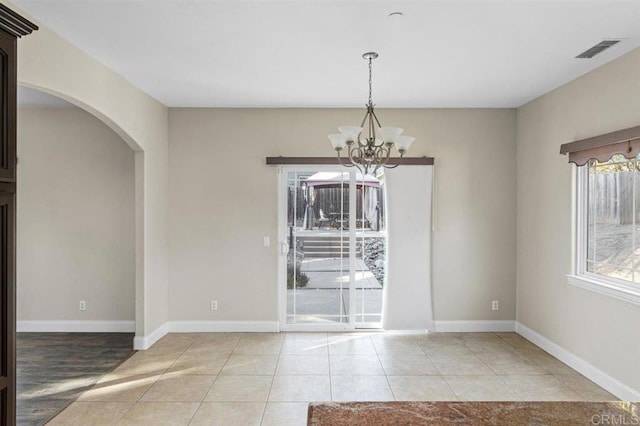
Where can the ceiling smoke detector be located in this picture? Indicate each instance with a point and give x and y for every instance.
(396, 15)
(597, 49)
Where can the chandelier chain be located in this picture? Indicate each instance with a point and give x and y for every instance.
(370, 83)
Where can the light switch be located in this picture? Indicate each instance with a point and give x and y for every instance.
(266, 241)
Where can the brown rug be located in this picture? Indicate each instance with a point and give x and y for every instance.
(474, 413)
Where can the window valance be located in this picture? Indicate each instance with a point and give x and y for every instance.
(625, 142)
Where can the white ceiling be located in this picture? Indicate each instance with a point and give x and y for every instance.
(307, 53)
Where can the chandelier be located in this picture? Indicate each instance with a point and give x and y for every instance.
(372, 151)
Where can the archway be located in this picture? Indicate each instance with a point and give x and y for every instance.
(52, 65)
(76, 255)
(139, 198)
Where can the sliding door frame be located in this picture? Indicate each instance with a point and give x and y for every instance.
(283, 249)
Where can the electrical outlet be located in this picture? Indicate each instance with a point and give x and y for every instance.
(83, 305)
(214, 305)
(495, 305)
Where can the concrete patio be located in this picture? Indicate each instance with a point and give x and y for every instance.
(320, 300)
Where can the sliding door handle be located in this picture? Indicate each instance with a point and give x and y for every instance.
(284, 248)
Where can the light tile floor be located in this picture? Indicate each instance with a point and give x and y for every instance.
(268, 378)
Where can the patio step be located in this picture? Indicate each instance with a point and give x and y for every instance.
(324, 243)
(328, 254)
(326, 247)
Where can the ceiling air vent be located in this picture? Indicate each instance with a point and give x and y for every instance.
(598, 48)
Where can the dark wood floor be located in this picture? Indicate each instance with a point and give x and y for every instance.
(55, 368)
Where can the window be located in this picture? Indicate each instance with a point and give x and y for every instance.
(608, 233)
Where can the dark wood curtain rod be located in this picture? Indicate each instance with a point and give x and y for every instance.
(407, 161)
(601, 140)
(602, 148)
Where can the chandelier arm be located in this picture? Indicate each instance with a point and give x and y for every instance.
(350, 153)
(386, 153)
(395, 165)
(342, 163)
(355, 161)
(372, 126)
(366, 114)
(380, 158)
(378, 165)
(376, 117)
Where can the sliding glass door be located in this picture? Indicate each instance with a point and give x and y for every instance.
(332, 249)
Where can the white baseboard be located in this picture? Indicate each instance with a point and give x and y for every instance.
(145, 342)
(474, 326)
(76, 326)
(141, 343)
(593, 373)
(223, 326)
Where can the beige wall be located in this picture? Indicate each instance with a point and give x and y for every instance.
(49, 63)
(223, 200)
(75, 218)
(601, 330)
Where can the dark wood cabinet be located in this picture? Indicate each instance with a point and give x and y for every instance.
(12, 26)
(7, 302)
(8, 77)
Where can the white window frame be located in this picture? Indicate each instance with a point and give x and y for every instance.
(580, 277)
